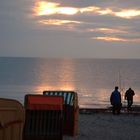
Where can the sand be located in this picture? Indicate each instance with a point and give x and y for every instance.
(106, 126)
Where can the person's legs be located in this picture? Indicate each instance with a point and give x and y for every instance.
(129, 104)
(113, 109)
(118, 109)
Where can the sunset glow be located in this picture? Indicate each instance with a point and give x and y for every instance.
(58, 22)
(67, 10)
(115, 39)
(105, 11)
(49, 8)
(89, 9)
(41, 88)
(107, 30)
(45, 8)
(128, 13)
(110, 39)
(70, 29)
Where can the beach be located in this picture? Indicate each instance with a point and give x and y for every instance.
(106, 126)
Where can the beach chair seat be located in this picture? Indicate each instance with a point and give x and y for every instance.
(70, 110)
(12, 117)
(43, 117)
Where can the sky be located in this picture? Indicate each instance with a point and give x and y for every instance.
(70, 28)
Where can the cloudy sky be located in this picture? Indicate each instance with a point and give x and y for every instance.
(70, 28)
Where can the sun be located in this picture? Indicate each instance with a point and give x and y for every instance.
(49, 8)
(45, 8)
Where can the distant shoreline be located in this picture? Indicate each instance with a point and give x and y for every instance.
(60, 58)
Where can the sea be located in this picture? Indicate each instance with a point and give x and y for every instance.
(92, 79)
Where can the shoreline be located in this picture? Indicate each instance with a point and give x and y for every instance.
(135, 110)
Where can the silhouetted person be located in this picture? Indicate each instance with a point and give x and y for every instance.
(115, 100)
(129, 97)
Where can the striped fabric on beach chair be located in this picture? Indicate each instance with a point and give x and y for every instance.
(12, 116)
(69, 96)
(43, 117)
(70, 110)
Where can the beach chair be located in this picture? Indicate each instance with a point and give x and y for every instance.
(12, 117)
(70, 110)
(43, 117)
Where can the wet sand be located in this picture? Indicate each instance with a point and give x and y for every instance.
(106, 126)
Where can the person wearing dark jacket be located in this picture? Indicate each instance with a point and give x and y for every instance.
(129, 97)
(115, 100)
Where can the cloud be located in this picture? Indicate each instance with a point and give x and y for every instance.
(83, 23)
(46, 13)
(127, 13)
(116, 39)
(58, 22)
(50, 8)
(110, 39)
(49, 27)
(88, 9)
(107, 30)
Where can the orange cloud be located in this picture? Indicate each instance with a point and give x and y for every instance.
(107, 30)
(116, 39)
(105, 11)
(67, 10)
(124, 13)
(128, 13)
(89, 9)
(109, 39)
(58, 22)
(49, 8)
(45, 8)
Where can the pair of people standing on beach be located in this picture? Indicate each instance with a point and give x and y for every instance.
(115, 100)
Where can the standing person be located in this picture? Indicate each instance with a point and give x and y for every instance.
(129, 97)
(115, 100)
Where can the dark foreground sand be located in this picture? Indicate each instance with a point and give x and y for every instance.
(105, 126)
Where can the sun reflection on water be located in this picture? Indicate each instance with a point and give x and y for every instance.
(63, 79)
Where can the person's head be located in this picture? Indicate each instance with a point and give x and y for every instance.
(129, 88)
(116, 88)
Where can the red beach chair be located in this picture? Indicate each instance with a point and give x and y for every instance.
(70, 110)
(43, 117)
(12, 117)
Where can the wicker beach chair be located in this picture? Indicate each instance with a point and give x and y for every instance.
(43, 117)
(12, 117)
(70, 110)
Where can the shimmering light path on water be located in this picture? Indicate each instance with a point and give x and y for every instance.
(92, 79)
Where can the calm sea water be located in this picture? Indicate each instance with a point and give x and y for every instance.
(92, 79)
